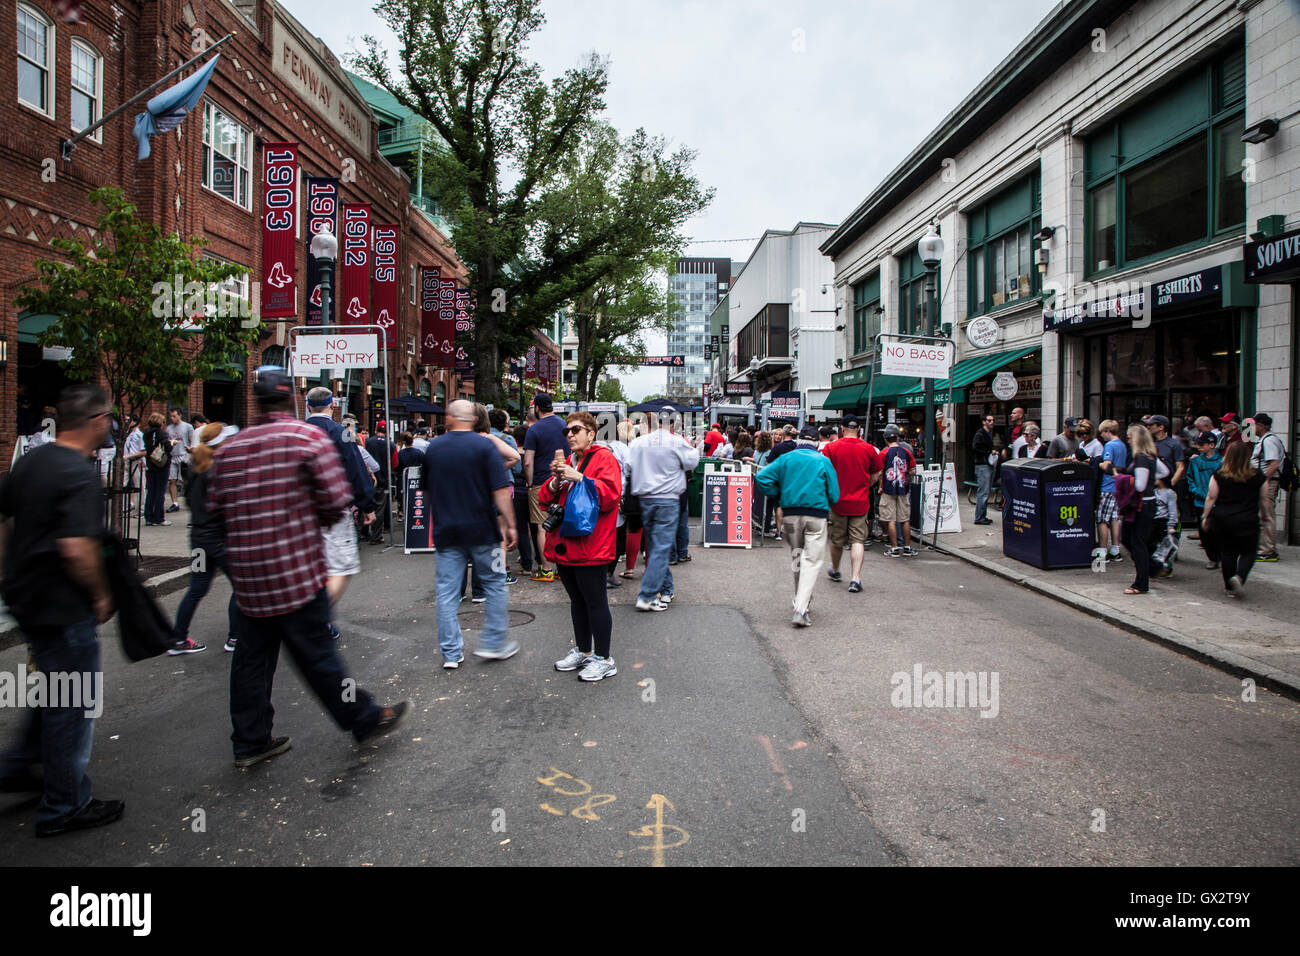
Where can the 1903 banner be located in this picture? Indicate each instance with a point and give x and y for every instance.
(279, 228)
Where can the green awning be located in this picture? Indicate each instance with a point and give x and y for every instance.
(884, 388)
(972, 369)
(845, 397)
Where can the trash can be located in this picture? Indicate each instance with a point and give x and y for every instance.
(1048, 519)
(695, 486)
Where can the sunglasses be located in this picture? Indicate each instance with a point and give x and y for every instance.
(574, 429)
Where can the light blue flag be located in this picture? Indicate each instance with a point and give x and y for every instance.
(165, 111)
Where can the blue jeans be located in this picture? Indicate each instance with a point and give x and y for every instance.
(305, 631)
(58, 737)
(682, 546)
(660, 517)
(984, 476)
(200, 584)
(489, 563)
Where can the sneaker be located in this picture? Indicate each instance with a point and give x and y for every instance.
(186, 646)
(1271, 557)
(1116, 556)
(684, 558)
(835, 576)
(1211, 565)
(392, 716)
(94, 814)
(1236, 585)
(673, 559)
(574, 659)
(174, 507)
(984, 521)
(277, 746)
(482, 598)
(509, 649)
(231, 644)
(542, 576)
(334, 633)
(1167, 572)
(801, 620)
(655, 605)
(910, 552)
(893, 552)
(450, 665)
(598, 668)
(855, 587)
(612, 582)
(511, 579)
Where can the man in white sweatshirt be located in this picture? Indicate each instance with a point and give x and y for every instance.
(658, 463)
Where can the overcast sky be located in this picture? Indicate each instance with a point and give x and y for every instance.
(797, 109)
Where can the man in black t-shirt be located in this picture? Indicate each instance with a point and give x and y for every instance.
(51, 526)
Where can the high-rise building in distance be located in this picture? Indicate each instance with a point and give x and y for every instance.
(695, 285)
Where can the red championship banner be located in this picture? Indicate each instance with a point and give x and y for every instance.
(279, 228)
(530, 362)
(385, 275)
(464, 331)
(354, 271)
(430, 333)
(322, 213)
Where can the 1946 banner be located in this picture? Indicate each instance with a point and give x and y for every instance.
(464, 330)
(385, 289)
(322, 213)
(279, 228)
(354, 269)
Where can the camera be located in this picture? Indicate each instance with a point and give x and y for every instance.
(554, 517)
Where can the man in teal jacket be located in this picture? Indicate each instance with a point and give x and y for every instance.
(804, 484)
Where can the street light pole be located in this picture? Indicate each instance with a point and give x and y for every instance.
(930, 249)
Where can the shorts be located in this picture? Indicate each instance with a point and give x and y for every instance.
(341, 555)
(175, 473)
(895, 508)
(1107, 510)
(847, 528)
(536, 514)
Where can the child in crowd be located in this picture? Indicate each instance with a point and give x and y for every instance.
(1166, 547)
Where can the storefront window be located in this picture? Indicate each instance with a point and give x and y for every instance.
(1165, 202)
(911, 293)
(1001, 245)
(866, 315)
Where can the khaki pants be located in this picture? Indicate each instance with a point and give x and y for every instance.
(806, 537)
(1268, 517)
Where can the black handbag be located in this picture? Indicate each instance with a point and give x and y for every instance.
(145, 630)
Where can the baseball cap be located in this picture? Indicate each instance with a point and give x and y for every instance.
(851, 421)
(1156, 420)
(381, 425)
(809, 433)
(273, 382)
(1228, 417)
(892, 431)
(1070, 423)
(1204, 438)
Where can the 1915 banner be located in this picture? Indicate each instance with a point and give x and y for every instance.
(279, 229)
(385, 275)
(354, 271)
(322, 213)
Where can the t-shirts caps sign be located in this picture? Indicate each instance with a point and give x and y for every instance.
(322, 213)
(279, 230)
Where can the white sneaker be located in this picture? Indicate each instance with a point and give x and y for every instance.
(598, 668)
(573, 660)
(666, 598)
(451, 665)
(509, 649)
(655, 605)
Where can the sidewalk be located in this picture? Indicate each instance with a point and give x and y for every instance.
(1255, 636)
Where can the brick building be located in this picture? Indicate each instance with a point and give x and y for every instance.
(275, 82)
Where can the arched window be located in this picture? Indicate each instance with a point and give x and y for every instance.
(424, 389)
(410, 385)
(442, 394)
(276, 355)
(35, 60)
(87, 82)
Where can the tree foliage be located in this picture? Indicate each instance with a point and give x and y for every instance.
(611, 390)
(546, 200)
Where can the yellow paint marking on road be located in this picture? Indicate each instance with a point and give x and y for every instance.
(557, 775)
(658, 803)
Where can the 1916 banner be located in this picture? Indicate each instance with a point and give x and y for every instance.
(385, 275)
(354, 268)
(279, 228)
(431, 327)
(322, 213)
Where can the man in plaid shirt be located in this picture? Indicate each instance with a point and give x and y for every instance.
(275, 485)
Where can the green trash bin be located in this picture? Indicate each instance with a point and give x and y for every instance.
(695, 487)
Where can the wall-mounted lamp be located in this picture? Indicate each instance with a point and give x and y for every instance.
(880, 310)
(1261, 132)
(839, 363)
(840, 328)
(1046, 233)
(4, 353)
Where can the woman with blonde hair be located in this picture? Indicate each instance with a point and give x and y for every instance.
(207, 542)
(1231, 514)
(1145, 468)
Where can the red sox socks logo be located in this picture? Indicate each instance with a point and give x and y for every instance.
(314, 298)
(278, 277)
(384, 321)
(355, 309)
(430, 341)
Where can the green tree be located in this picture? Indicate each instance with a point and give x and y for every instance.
(118, 310)
(611, 390)
(546, 200)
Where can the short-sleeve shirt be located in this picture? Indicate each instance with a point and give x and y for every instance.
(1115, 452)
(544, 438)
(51, 493)
(185, 433)
(1170, 450)
(462, 470)
(898, 464)
(1266, 451)
(855, 462)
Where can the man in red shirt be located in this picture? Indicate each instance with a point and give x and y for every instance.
(713, 439)
(275, 486)
(857, 468)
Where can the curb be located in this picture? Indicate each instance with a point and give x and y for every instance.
(1239, 665)
(157, 587)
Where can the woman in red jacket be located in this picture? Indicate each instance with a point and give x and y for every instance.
(583, 561)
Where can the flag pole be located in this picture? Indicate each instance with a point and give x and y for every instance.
(68, 145)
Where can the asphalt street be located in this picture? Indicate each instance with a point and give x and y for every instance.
(727, 737)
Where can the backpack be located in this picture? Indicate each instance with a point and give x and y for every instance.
(1287, 479)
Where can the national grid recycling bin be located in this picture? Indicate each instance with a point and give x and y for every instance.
(1047, 520)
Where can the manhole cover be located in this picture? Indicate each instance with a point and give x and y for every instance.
(473, 617)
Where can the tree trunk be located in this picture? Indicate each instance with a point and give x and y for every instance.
(487, 328)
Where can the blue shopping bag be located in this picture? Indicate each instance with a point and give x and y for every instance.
(581, 509)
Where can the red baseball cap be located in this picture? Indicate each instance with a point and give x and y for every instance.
(1229, 417)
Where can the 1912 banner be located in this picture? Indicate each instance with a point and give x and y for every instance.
(385, 289)
(279, 228)
(322, 213)
(354, 269)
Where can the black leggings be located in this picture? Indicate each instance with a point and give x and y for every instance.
(589, 606)
(1137, 538)
(1237, 549)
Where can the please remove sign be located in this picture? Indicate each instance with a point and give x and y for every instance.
(923, 360)
(312, 353)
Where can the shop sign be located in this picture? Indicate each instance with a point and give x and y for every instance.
(742, 389)
(1275, 259)
(1004, 386)
(1135, 300)
(785, 405)
(983, 332)
(851, 376)
(1028, 388)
